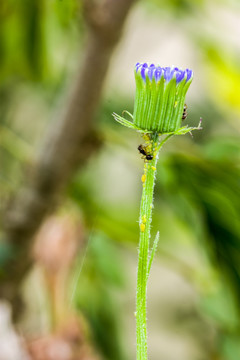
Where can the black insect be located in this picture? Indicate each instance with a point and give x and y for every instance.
(144, 151)
(185, 114)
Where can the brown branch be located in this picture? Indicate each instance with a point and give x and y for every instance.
(69, 143)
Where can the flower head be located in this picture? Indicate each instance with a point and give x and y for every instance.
(160, 96)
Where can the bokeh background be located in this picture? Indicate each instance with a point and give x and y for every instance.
(78, 295)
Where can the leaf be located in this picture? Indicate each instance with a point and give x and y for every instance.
(154, 248)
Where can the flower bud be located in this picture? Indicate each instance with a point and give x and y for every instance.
(160, 97)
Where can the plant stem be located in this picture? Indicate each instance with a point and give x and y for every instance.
(143, 254)
(144, 260)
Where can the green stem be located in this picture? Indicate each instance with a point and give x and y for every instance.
(144, 260)
(143, 254)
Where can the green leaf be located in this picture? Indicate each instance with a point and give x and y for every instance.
(153, 252)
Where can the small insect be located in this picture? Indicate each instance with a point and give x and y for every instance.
(144, 150)
(185, 114)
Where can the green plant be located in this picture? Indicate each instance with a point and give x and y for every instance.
(158, 113)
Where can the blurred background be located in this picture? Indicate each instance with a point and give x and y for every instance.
(78, 290)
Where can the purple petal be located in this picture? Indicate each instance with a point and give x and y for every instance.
(143, 75)
(168, 73)
(151, 72)
(158, 73)
(189, 74)
(137, 66)
(179, 75)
